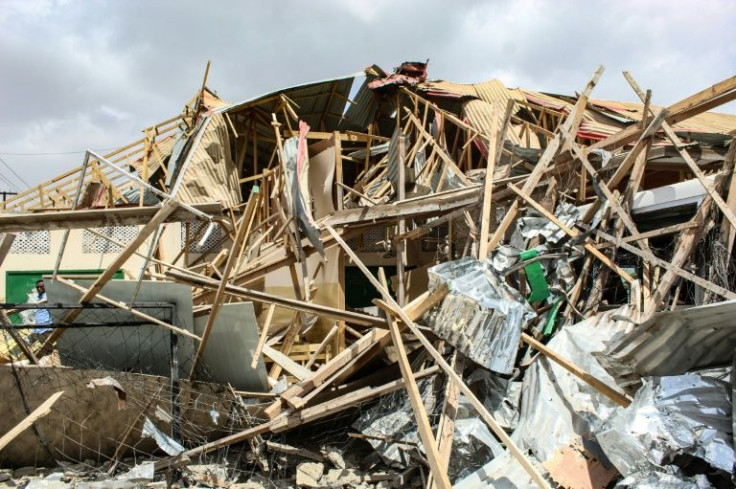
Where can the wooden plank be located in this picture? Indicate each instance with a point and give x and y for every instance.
(675, 269)
(97, 218)
(322, 345)
(424, 229)
(264, 335)
(600, 386)
(287, 420)
(246, 222)
(434, 203)
(294, 451)
(287, 363)
(439, 471)
(338, 169)
(5, 244)
(38, 413)
(401, 257)
(654, 233)
(725, 209)
(486, 201)
(75, 202)
(570, 126)
(679, 111)
(124, 307)
(446, 425)
(164, 211)
(208, 283)
(287, 342)
(19, 340)
(572, 233)
(391, 306)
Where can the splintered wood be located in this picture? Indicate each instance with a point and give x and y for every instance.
(458, 197)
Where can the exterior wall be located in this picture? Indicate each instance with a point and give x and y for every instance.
(80, 253)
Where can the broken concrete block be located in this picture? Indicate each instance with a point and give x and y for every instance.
(156, 485)
(44, 484)
(24, 472)
(309, 474)
(334, 456)
(210, 475)
(342, 477)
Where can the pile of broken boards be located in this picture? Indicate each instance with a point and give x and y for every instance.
(416, 284)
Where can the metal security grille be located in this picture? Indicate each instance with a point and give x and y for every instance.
(197, 230)
(32, 243)
(93, 243)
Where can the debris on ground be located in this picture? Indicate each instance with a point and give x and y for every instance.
(381, 281)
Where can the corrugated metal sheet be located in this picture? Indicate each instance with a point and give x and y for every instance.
(480, 114)
(444, 88)
(483, 335)
(710, 122)
(674, 343)
(210, 173)
(363, 111)
(482, 317)
(495, 91)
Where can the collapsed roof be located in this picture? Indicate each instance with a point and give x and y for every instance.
(510, 219)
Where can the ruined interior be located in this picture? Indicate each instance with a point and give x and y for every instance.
(383, 280)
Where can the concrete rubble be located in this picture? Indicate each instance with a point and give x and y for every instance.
(380, 281)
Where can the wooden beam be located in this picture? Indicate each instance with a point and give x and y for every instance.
(446, 425)
(286, 363)
(164, 211)
(417, 404)
(600, 386)
(38, 413)
(727, 212)
(264, 335)
(727, 294)
(688, 107)
(570, 127)
(128, 308)
(425, 205)
(391, 306)
(288, 420)
(5, 244)
(202, 281)
(572, 233)
(97, 218)
(485, 220)
(246, 222)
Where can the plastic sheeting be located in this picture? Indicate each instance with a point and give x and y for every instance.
(164, 442)
(482, 317)
(670, 416)
(296, 172)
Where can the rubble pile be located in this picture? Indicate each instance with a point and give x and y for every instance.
(376, 281)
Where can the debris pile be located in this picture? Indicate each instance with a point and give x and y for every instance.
(409, 283)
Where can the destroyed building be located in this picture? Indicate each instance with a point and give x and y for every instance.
(381, 280)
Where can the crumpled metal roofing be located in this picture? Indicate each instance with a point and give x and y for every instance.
(481, 317)
(670, 416)
(673, 343)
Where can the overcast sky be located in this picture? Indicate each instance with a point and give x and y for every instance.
(92, 74)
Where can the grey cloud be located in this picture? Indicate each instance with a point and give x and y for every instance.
(92, 74)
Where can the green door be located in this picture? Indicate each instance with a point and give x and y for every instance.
(18, 284)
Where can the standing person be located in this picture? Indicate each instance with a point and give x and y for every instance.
(41, 316)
